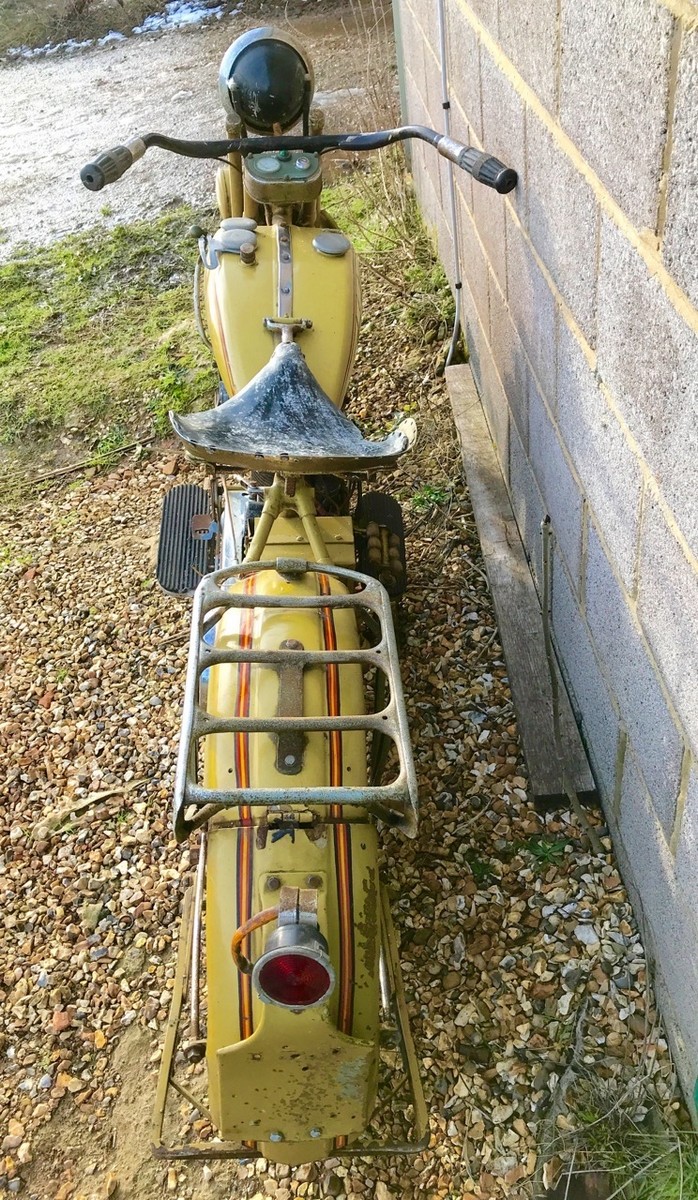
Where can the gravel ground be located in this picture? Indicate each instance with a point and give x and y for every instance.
(523, 965)
(516, 942)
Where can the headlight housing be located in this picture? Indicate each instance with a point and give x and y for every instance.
(266, 79)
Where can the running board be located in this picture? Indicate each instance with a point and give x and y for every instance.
(185, 548)
(395, 802)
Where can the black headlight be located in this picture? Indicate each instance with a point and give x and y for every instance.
(265, 79)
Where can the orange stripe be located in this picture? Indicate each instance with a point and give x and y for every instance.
(342, 835)
(333, 695)
(246, 833)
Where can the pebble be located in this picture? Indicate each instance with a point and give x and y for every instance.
(586, 934)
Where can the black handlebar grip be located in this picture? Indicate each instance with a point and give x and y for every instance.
(488, 170)
(107, 168)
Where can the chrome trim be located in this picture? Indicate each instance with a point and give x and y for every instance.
(284, 259)
(198, 315)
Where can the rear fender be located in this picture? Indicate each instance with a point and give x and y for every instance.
(270, 1069)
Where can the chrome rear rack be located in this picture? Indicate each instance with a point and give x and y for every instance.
(395, 802)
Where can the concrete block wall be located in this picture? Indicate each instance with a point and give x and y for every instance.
(580, 306)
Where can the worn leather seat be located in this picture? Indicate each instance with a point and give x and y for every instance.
(283, 421)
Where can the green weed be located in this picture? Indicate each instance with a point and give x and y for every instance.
(616, 1130)
(12, 557)
(109, 444)
(546, 851)
(430, 496)
(481, 870)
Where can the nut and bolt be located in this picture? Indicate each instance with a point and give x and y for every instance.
(273, 883)
(275, 1136)
(314, 881)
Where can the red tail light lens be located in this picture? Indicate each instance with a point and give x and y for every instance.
(294, 979)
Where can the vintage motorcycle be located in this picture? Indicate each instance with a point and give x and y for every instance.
(295, 745)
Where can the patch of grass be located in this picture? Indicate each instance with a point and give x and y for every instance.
(109, 444)
(675, 1176)
(12, 557)
(352, 204)
(618, 1132)
(641, 1164)
(378, 209)
(100, 325)
(430, 496)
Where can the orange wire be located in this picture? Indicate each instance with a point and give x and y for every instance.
(261, 918)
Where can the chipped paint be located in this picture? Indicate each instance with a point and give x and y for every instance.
(350, 1079)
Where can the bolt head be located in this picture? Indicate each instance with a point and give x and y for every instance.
(315, 1132)
(275, 1136)
(273, 883)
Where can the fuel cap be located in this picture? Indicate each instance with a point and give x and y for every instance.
(238, 223)
(231, 240)
(331, 243)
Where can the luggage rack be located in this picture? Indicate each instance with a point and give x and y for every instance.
(395, 802)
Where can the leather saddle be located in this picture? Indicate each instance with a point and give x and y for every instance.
(283, 421)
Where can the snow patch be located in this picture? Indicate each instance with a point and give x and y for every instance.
(176, 14)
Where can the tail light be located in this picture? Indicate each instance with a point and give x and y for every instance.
(295, 970)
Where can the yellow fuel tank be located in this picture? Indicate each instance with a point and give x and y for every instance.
(322, 288)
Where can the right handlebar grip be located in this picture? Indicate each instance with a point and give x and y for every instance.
(107, 168)
(489, 170)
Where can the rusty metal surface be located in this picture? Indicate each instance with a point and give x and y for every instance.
(318, 1070)
(171, 1029)
(282, 420)
(290, 742)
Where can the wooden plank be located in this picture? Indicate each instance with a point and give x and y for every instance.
(517, 609)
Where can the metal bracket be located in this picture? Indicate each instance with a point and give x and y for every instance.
(297, 906)
(287, 326)
(290, 743)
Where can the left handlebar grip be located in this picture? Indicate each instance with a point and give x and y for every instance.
(111, 165)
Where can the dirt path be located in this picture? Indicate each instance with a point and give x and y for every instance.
(56, 113)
